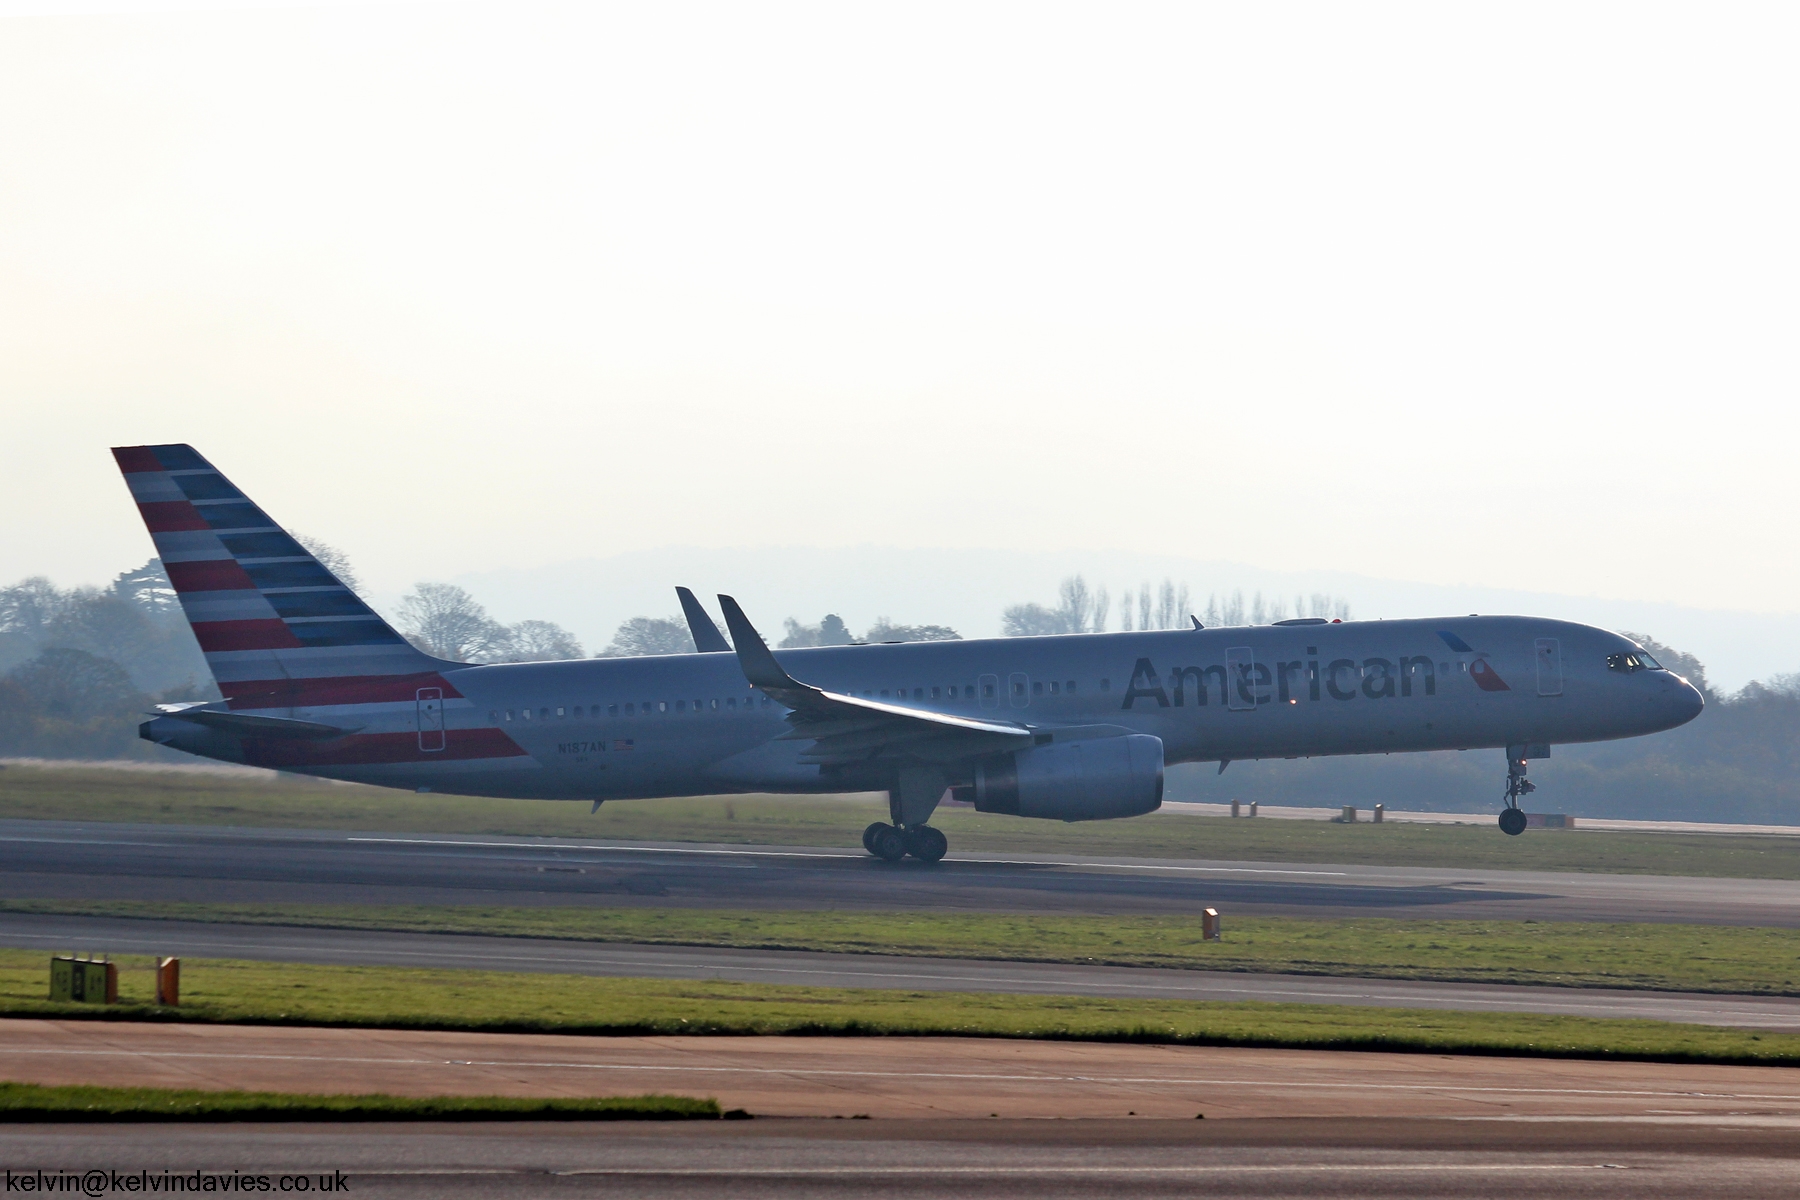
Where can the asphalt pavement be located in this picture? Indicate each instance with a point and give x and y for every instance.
(276, 943)
(1377, 1159)
(94, 861)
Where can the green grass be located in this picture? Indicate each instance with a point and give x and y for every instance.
(32, 1102)
(414, 998)
(1697, 958)
(95, 794)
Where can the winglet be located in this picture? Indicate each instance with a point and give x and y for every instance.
(760, 667)
(707, 638)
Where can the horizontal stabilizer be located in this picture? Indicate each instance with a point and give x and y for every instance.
(245, 725)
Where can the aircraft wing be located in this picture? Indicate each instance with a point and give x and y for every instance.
(707, 638)
(846, 728)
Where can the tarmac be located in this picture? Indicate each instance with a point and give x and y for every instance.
(96, 861)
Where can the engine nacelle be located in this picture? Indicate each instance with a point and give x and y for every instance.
(1093, 779)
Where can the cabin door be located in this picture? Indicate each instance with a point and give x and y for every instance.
(1240, 674)
(1549, 667)
(431, 719)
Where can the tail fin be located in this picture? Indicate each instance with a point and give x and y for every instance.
(278, 629)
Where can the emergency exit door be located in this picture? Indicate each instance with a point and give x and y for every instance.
(431, 719)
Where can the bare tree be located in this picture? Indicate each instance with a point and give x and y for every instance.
(650, 635)
(830, 631)
(1032, 620)
(443, 619)
(333, 560)
(541, 641)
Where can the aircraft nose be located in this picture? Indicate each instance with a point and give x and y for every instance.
(1686, 700)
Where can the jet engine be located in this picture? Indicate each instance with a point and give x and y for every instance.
(1091, 779)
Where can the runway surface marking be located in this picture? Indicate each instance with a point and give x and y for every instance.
(988, 862)
(897, 1074)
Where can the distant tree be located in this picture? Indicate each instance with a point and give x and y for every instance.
(1078, 610)
(70, 704)
(1032, 620)
(444, 620)
(649, 635)
(540, 641)
(830, 631)
(884, 630)
(148, 588)
(333, 560)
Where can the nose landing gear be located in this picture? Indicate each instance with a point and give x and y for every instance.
(1512, 817)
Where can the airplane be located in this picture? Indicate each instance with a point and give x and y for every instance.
(1072, 728)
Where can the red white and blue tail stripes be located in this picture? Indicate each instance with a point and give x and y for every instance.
(278, 628)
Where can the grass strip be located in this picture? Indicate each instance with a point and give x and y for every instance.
(220, 991)
(104, 794)
(1693, 958)
(33, 1102)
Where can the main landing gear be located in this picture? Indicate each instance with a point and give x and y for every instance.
(1512, 817)
(912, 799)
(924, 842)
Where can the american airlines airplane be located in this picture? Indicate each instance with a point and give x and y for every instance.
(1072, 728)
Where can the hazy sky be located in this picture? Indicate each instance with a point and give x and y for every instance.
(1499, 295)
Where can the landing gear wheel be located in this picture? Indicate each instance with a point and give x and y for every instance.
(1512, 822)
(926, 843)
(886, 842)
(869, 836)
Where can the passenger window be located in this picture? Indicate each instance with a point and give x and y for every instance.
(1055, 688)
(937, 693)
(987, 689)
(509, 713)
(1037, 689)
(560, 712)
(884, 693)
(662, 706)
(544, 714)
(969, 692)
(612, 710)
(731, 702)
(681, 706)
(493, 714)
(715, 705)
(630, 709)
(1069, 687)
(918, 693)
(526, 713)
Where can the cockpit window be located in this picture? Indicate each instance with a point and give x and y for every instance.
(1635, 660)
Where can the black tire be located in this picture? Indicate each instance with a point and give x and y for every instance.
(869, 836)
(886, 842)
(927, 843)
(1512, 822)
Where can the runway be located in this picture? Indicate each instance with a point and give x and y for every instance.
(275, 943)
(93, 861)
(1341, 1159)
(946, 1117)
